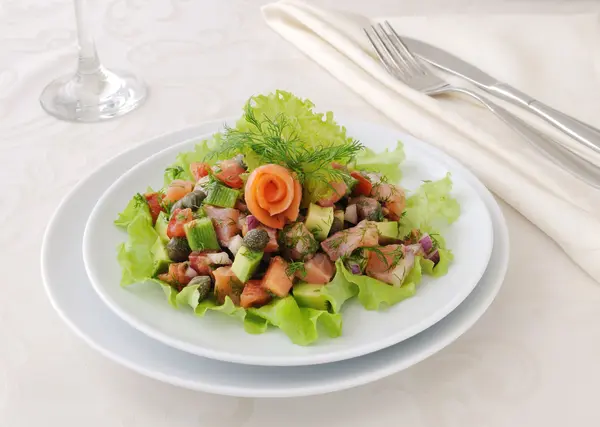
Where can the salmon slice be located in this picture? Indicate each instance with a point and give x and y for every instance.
(390, 264)
(254, 294)
(225, 221)
(227, 285)
(273, 195)
(318, 270)
(276, 278)
(344, 242)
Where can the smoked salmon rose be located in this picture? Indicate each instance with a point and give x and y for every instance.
(273, 195)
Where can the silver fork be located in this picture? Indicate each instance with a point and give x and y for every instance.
(402, 64)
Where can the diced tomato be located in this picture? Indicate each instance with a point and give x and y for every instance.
(363, 187)
(155, 204)
(200, 170)
(179, 218)
(228, 172)
(254, 294)
(276, 278)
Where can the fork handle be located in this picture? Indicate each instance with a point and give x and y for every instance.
(551, 148)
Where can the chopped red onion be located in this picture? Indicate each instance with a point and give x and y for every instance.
(252, 222)
(351, 214)
(355, 268)
(426, 242)
(191, 273)
(434, 256)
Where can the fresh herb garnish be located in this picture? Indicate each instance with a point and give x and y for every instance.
(295, 267)
(273, 140)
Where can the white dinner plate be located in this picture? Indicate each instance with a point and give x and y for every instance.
(71, 294)
(223, 338)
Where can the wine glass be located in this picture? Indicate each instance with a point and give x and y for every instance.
(93, 93)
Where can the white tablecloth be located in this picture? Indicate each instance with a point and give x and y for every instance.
(531, 360)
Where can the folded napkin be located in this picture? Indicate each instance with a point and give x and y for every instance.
(553, 58)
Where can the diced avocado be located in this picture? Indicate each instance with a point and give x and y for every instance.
(388, 232)
(319, 220)
(245, 263)
(309, 295)
(161, 225)
(161, 258)
(222, 196)
(201, 234)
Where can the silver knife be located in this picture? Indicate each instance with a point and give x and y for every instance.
(582, 132)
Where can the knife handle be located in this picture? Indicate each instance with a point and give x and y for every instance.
(582, 132)
(559, 155)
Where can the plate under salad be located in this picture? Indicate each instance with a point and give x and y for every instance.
(284, 219)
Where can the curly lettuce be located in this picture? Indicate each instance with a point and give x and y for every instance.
(387, 162)
(300, 324)
(430, 207)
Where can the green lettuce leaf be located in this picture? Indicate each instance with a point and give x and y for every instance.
(313, 129)
(136, 255)
(430, 207)
(415, 275)
(299, 324)
(386, 163)
(373, 293)
(441, 268)
(137, 206)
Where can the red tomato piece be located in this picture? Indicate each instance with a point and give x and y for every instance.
(363, 187)
(200, 170)
(155, 204)
(179, 218)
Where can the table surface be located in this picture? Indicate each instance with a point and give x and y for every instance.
(531, 360)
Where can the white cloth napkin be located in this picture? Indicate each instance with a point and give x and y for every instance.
(553, 58)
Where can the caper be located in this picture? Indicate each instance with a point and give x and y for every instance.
(178, 249)
(204, 286)
(191, 200)
(256, 239)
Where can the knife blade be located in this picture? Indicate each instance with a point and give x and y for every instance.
(580, 131)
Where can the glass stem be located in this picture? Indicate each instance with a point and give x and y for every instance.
(89, 63)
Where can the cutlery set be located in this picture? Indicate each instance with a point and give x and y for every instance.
(406, 59)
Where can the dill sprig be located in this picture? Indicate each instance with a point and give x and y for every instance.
(296, 267)
(273, 140)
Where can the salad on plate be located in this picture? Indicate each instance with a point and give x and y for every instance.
(282, 219)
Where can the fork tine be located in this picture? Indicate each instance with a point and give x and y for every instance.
(385, 41)
(403, 50)
(382, 57)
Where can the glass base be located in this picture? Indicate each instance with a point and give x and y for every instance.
(93, 97)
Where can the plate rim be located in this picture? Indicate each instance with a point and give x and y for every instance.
(287, 360)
